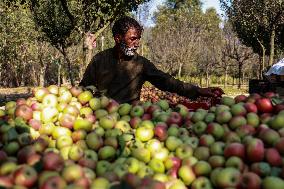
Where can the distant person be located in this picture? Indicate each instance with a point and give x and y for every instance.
(121, 71)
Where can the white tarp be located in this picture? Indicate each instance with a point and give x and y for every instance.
(277, 69)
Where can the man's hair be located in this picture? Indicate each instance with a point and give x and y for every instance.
(122, 25)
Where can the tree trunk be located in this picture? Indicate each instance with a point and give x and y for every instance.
(66, 60)
(226, 77)
(59, 75)
(207, 79)
(240, 75)
(263, 56)
(41, 76)
(200, 80)
(272, 41)
(179, 70)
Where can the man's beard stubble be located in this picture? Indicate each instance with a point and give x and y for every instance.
(128, 51)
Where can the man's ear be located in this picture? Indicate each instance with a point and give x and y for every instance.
(117, 38)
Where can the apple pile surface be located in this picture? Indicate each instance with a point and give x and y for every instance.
(69, 138)
(153, 94)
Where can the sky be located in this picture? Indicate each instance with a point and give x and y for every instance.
(206, 4)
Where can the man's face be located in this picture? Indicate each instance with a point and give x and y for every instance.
(129, 43)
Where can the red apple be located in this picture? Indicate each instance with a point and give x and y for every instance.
(25, 175)
(76, 90)
(174, 118)
(255, 150)
(235, 149)
(240, 98)
(250, 107)
(273, 157)
(52, 161)
(264, 105)
(24, 111)
(250, 180)
(54, 182)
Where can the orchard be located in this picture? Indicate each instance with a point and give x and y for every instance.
(71, 138)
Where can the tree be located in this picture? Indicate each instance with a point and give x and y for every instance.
(176, 47)
(66, 22)
(258, 23)
(210, 37)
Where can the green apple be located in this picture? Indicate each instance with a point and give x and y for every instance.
(124, 109)
(107, 153)
(94, 141)
(192, 141)
(137, 111)
(161, 154)
(173, 131)
(63, 141)
(8, 167)
(60, 131)
(145, 171)
(101, 183)
(199, 128)
(201, 182)
(186, 174)
(202, 168)
(157, 166)
(65, 96)
(75, 153)
(49, 100)
(161, 177)
(132, 165)
(144, 133)
(85, 97)
(228, 177)
(104, 101)
(120, 170)
(11, 148)
(184, 151)
(83, 124)
(49, 114)
(95, 103)
(64, 152)
(172, 143)
(216, 161)
(141, 154)
(85, 111)
(153, 146)
(72, 173)
(147, 123)
(201, 153)
(124, 126)
(272, 182)
(102, 167)
(217, 148)
(177, 184)
(163, 104)
(107, 122)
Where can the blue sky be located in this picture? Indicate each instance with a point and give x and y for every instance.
(206, 4)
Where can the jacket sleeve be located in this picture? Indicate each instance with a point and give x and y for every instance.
(166, 82)
(89, 75)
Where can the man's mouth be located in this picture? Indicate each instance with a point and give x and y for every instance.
(128, 51)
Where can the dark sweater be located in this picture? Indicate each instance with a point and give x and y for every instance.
(123, 79)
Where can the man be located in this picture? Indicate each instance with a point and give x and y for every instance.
(121, 72)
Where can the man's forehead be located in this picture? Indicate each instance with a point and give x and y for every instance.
(133, 31)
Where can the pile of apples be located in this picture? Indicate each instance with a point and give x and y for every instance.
(68, 138)
(153, 94)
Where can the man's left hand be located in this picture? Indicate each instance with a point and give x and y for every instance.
(210, 92)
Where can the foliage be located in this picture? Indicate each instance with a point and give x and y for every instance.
(258, 23)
